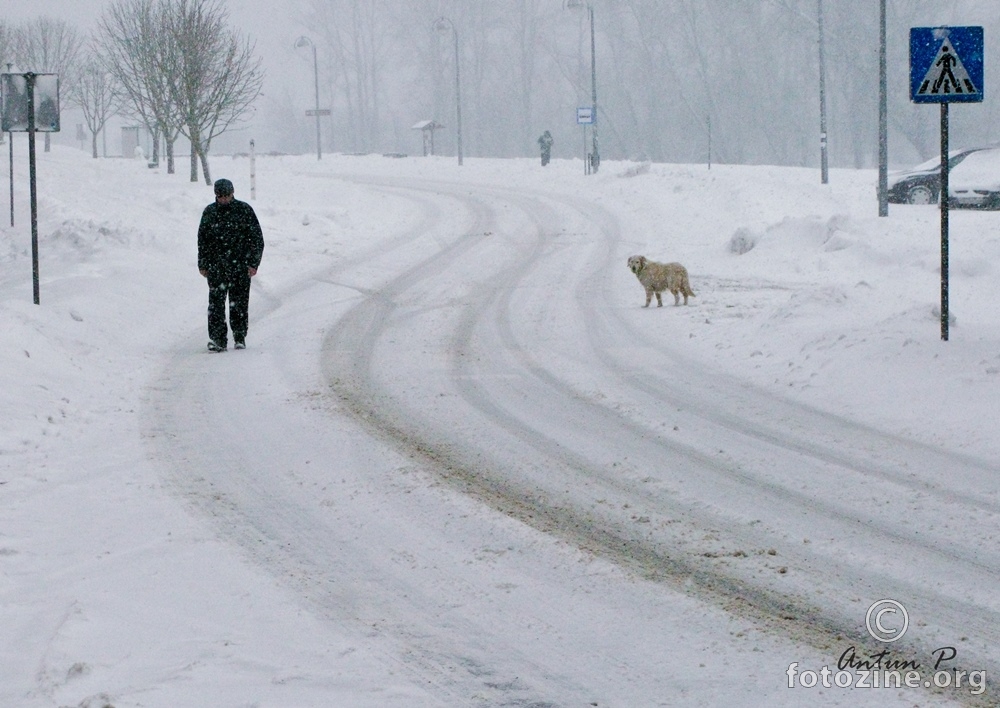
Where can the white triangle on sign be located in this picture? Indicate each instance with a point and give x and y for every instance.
(947, 76)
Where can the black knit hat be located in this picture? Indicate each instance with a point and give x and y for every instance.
(223, 187)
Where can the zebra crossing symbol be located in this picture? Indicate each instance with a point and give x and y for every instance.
(946, 64)
(947, 75)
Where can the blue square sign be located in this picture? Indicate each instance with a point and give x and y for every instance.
(946, 64)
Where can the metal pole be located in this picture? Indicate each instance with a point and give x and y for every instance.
(253, 172)
(944, 221)
(458, 95)
(10, 139)
(319, 149)
(301, 42)
(595, 155)
(824, 169)
(709, 142)
(30, 82)
(883, 120)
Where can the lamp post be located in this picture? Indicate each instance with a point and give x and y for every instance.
(824, 163)
(442, 24)
(10, 139)
(883, 120)
(302, 42)
(595, 156)
(824, 170)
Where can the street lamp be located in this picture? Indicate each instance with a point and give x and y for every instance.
(883, 121)
(442, 24)
(824, 163)
(824, 171)
(595, 157)
(11, 69)
(303, 42)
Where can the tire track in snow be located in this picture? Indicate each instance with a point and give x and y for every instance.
(211, 457)
(490, 479)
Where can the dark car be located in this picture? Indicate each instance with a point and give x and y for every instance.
(922, 184)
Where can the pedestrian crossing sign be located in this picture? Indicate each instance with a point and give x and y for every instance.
(946, 64)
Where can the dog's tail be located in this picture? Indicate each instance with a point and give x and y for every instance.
(687, 289)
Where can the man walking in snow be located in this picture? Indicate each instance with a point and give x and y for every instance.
(230, 246)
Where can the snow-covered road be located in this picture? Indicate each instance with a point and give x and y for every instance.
(460, 465)
(483, 351)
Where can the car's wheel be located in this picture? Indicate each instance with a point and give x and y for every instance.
(921, 194)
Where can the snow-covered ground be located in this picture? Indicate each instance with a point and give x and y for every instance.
(459, 464)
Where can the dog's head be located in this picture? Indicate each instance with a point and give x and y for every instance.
(636, 263)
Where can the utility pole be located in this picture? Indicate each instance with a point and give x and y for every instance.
(883, 120)
(824, 165)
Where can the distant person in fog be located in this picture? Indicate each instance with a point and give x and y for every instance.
(545, 143)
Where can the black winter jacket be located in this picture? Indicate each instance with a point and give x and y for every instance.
(229, 239)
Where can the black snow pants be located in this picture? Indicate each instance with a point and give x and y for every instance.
(235, 287)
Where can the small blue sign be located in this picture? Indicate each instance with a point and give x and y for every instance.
(585, 115)
(946, 64)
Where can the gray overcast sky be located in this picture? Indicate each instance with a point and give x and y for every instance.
(79, 12)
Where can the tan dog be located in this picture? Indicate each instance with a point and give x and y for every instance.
(657, 277)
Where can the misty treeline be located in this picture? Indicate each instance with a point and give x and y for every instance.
(672, 75)
(675, 78)
(174, 65)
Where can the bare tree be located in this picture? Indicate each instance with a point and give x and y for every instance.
(181, 70)
(45, 45)
(6, 52)
(218, 78)
(140, 55)
(96, 96)
(6, 45)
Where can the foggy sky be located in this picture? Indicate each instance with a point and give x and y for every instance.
(660, 109)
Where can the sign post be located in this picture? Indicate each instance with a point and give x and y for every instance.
(946, 66)
(585, 117)
(253, 172)
(31, 104)
(10, 139)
